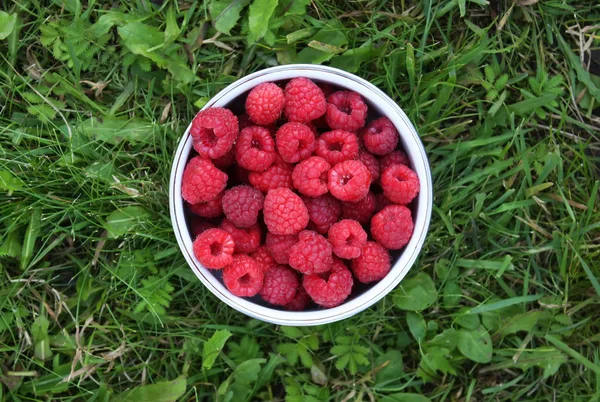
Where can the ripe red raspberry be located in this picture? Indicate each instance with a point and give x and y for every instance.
(381, 202)
(346, 111)
(337, 146)
(347, 238)
(246, 240)
(241, 205)
(208, 209)
(264, 259)
(199, 225)
(361, 211)
(295, 142)
(264, 103)
(400, 184)
(202, 181)
(284, 212)
(312, 253)
(371, 162)
(279, 246)
(323, 211)
(214, 248)
(225, 161)
(331, 288)
(255, 149)
(214, 131)
(395, 158)
(373, 264)
(380, 136)
(300, 301)
(392, 226)
(278, 175)
(280, 285)
(243, 277)
(310, 176)
(304, 100)
(349, 181)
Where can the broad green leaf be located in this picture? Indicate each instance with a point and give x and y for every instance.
(10, 182)
(248, 371)
(445, 270)
(165, 391)
(143, 39)
(172, 30)
(416, 293)
(475, 344)
(292, 7)
(529, 105)
(351, 59)
(416, 325)
(7, 24)
(213, 347)
(452, 294)
(6, 320)
(114, 130)
(39, 332)
(447, 339)
(31, 235)
(520, 322)
(468, 321)
(436, 359)
(124, 220)
(549, 359)
(330, 36)
(258, 17)
(393, 367)
(225, 14)
(11, 246)
(405, 397)
(266, 374)
(101, 171)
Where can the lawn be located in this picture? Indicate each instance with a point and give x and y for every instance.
(97, 302)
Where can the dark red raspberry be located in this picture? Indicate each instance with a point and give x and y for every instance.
(312, 254)
(381, 202)
(295, 142)
(264, 103)
(347, 237)
(225, 161)
(395, 158)
(337, 146)
(310, 176)
(255, 149)
(373, 263)
(214, 248)
(279, 246)
(300, 301)
(349, 181)
(278, 175)
(214, 131)
(208, 209)
(346, 111)
(199, 225)
(263, 258)
(371, 162)
(400, 184)
(380, 136)
(284, 212)
(361, 211)
(243, 277)
(280, 285)
(202, 181)
(304, 100)
(331, 288)
(246, 240)
(323, 211)
(392, 226)
(241, 205)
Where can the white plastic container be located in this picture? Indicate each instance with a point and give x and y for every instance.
(421, 211)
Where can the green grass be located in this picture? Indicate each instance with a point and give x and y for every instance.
(93, 101)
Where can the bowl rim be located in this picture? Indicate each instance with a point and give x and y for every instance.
(412, 144)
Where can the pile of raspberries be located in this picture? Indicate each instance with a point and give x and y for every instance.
(332, 187)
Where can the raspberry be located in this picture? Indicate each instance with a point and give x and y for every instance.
(395, 158)
(225, 161)
(199, 225)
(295, 142)
(332, 288)
(280, 285)
(214, 131)
(300, 301)
(246, 240)
(373, 264)
(347, 238)
(337, 146)
(312, 254)
(241, 205)
(264, 103)
(361, 211)
(380, 136)
(392, 226)
(263, 259)
(243, 277)
(371, 162)
(310, 176)
(202, 181)
(208, 209)
(346, 111)
(279, 246)
(400, 184)
(255, 149)
(278, 175)
(214, 248)
(284, 212)
(349, 181)
(304, 100)
(323, 211)
(381, 202)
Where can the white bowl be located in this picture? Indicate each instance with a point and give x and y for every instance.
(422, 205)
